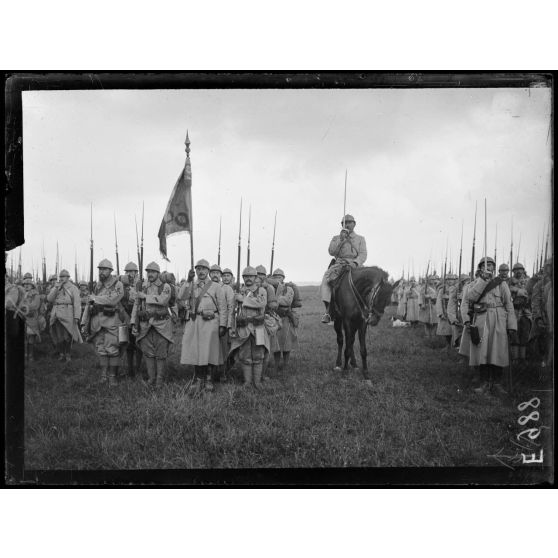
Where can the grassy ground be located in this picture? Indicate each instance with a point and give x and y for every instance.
(309, 416)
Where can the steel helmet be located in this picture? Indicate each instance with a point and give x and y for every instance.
(170, 278)
(216, 267)
(260, 270)
(227, 270)
(52, 278)
(249, 271)
(348, 219)
(27, 276)
(83, 283)
(106, 264)
(202, 263)
(64, 273)
(488, 260)
(131, 266)
(504, 267)
(153, 266)
(280, 272)
(451, 276)
(518, 266)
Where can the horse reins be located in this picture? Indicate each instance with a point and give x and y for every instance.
(366, 308)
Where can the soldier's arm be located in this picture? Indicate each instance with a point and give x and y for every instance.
(160, 299)
(112, 298)
(511, 322)
(335, 246)
(52, 294)
(362, 252)
(255, 300)
(286, 299)
(184, 291)
(222, 307)
(465, 305)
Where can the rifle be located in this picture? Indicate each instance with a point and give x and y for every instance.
(273, 243)
(496, 244)
(238, 305)
(139, 283)
(141, 246)
(219, 251)
(473, 250)
(116, 247)
(137, 243)
(546, 245)
(76, 268)
(511, 244)
(518, 248)
(249, 223)
(345, 199)
(19, 275)
(57, 260)
(87, 326)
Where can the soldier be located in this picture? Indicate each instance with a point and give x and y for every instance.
(504, 272)
(227, 277)
(83, 295)
(401, 305)
(519, 278)
(411, 302)
(102, 318)
(154, 334)
(543, 311)
(266, 284)
(33, 325)
(286, 339)
(207, 313)
(251, 339)
(48, 306)
(454, 306)
(488, 306)
(426, 300)
(444, 324)
(64, 315)
(348, 250)
(133, 352)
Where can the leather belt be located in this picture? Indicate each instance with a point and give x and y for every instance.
(492, 305)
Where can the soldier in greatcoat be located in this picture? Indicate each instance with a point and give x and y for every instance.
(349, 250)
(251, 339)
(101, 319)
(154, 334)
(207, 312)
(444, 328)
(543, 314)
(64, 315)
(286, 338)
(411, 296)
(33, 317)
(504, 272)
(489, 303)
(83, 295)
(401, 306)
(225, 278)
(427, 310)
(133, 352)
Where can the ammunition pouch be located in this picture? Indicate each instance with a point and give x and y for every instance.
(207, 315)
(283, 311)
(479, 307)
(258, 320)
(109, 311)
(158, 315)
(241, 321)
(475, 334)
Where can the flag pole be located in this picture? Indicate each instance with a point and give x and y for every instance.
(187, 143)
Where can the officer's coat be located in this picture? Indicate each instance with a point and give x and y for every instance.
(66, 308)
(200, 342)
(351, 249)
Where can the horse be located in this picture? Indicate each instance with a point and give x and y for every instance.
(358, 300)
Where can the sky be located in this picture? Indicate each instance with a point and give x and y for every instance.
(417, 160)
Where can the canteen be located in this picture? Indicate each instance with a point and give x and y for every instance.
(123, 334)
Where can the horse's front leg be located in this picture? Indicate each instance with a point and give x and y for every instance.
(338, 326)
(363, 353)
(349, 344)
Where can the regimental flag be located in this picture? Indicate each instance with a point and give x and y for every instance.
(178, 216)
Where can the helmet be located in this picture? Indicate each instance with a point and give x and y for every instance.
(518, 266)
(105, 264)
(216, 267)
(249, 271)
(279, 271)
(348, 218)
(488, 260)
(27, 281)
(227, 270)
(52, 278)
(27, 276)
(131, 266)
(413, 279)
(451, 276)
(504, 267)
(464, 277)
(203, 263)
(169, 278)
(153, 266)
(82, 283)
(261, 270)
(64, 273)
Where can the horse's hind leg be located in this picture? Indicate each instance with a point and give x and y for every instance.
(338, 326)
(363, 353)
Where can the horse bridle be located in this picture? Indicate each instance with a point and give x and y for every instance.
(367, 309)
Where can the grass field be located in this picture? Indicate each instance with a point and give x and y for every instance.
(309, 416)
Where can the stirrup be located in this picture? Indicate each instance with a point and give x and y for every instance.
(326, 318)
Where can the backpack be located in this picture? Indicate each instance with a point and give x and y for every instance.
(297, 301)
(172, 299)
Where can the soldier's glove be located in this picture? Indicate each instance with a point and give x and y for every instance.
(191, 275)
(222, 331)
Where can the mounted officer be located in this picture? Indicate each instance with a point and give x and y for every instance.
(349, 251)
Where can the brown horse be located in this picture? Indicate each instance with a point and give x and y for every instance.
(358, 301)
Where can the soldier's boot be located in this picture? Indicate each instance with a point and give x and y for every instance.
(67, 351)
(257, 374)
(286, 359)
(113, 376)
(130, 361)
(151, 371)
(139, 360)
(60, 350)
(208, 385)
(277, 361)
(160, 366)
(514, 353)
(522, 354)
(104, 374)
(247, 373)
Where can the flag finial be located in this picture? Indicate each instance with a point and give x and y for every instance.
(187, 143)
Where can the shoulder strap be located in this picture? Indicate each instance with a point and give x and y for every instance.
(491, 285)
(198, 300)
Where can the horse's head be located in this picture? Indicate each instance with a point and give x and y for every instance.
(381, 300)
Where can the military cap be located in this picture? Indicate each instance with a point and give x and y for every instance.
(81, 283)
(249, 271)
(504, 267)
(488, 260)
(105, 264)
(279, 271)
(518, 266)
(348, 219)
(260, 270)
(203, 263)
(216, 267)
(153, 266)
(28, 276)
(131, 266)
(52, 278)
(64, 273)
(451, 276)
(227, 270)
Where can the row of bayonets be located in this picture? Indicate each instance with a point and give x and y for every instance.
(540, 255)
